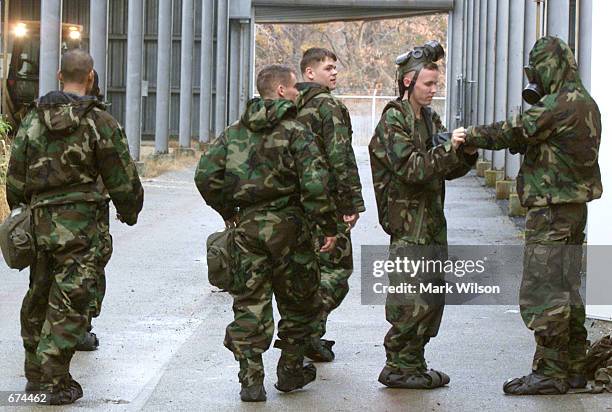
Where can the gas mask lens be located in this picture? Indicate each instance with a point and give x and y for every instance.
(532, 93)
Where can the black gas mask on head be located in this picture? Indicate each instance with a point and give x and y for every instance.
(534, 91)
(414, 60)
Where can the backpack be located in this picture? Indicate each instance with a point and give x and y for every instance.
(599, 364)
(219, 254)
(16, 239)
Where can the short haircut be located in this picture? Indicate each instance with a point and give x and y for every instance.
(400, 81)
(428, 66)
(315, 54)
(271, 76)
(76, 66)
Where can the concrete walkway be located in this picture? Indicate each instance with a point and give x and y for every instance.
(162, 325)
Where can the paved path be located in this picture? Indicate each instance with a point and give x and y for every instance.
(162, 325)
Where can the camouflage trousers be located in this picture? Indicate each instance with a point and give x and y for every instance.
(55, 310)
(104, 253)
(414, 317)
(275, 256)
(336, 268)
(550, 301)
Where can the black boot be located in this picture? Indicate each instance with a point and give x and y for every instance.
(66, 394)
(251, 378)
(320, 350)
(535, 384)
(89, 342)
(291, 372)
(398, 378)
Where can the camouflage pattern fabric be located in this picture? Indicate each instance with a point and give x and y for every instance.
(265, 172)
(408, 174)
(329, 121)
(559, 135)
(560, 138)
(65, 143)
(408, 171)
(104, 253)
(550, 300)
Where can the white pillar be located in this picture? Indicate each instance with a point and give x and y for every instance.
(50, 37)
(98, 35)
(133, 92)
(599, 233)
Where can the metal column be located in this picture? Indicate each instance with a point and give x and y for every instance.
(234, 71)
(221, 66)
(473, 82)
(482, 63)
(501, 73)
(98, 33)
(530, 37)
(557, 15)
(50, 38)
(585, 39)
(133, 94)
(206, 70)
(454, 73)
(515, 75)
(162, 97)
(186, 74)
(469, 39)
(490, 77)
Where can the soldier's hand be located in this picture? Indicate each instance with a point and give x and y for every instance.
(351, 220)
(458, 137)
(128, 221)
(329, 245)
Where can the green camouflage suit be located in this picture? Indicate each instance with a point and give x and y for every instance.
(63, 145)
(329, 121)
(559, 137)
(408, 174)
(266, 167)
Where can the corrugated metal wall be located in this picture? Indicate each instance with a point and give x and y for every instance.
(77, 12)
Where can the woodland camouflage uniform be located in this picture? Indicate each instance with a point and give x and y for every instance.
(63, 145)
(264, 171)
(560, 138)
(329, 121)
(408, 173)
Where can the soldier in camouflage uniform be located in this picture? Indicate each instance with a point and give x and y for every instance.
(89, 341)
(264, 175)
(64, 144)
(409, 167)
(559, 136)
(329, 121)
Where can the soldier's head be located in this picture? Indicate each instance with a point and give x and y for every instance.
(319, 65)
(76, 71)
(277, 81)
(424, 88)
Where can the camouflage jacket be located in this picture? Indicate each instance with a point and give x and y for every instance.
(409, 172)
(63, 145)
(559, 135)
(266, 160)
(329, 120)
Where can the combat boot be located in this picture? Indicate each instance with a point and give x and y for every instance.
(320, 350)
(536, 384)
(89, 342)
(66, 394)
(251, 378)
(398, 378)
(292, 373)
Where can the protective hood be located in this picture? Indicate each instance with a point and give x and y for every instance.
(61, 111)
(308, 90)
(263, 114)
(554, 63)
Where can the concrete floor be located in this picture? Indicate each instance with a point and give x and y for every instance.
(162, 325)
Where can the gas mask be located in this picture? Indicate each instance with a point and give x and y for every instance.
(533, 92)
(414, 60)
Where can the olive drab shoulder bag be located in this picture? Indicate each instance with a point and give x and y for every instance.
(16, 240)
(219, 253)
